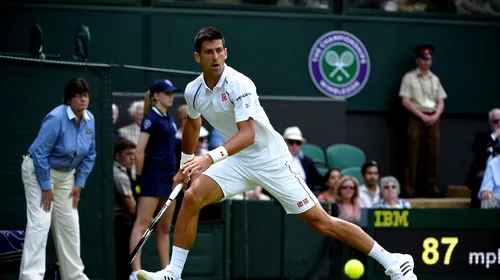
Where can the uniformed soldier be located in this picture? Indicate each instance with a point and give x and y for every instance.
(423, 96)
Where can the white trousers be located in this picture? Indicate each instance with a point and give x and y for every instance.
(63, 219)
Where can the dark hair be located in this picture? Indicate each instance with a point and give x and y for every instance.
(327, 174)
(367, 164)
(73, 87)
(207, 34)
(122, 145)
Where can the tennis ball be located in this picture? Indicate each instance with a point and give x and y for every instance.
(137, 189)
(354, 269)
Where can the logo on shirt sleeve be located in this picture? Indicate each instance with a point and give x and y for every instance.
(243, 96)
(146, 124)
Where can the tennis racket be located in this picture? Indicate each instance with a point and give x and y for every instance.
(153, 223)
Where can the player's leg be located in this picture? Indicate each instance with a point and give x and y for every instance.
(284, 183)
(220, 181)
(145, 212)
(163, 233)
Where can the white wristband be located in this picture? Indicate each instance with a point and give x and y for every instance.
(185, 157)
(218, 154)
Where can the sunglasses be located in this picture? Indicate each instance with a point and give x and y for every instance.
(495, 121)
(348, 187)
(294, 142)
(389, 187)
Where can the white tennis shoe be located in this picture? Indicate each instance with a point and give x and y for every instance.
(164, 274)
(402, 270)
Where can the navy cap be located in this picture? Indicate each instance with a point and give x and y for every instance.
(163, 86)
(424, 51)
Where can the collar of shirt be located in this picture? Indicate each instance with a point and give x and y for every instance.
(119, 166)
(419, 74)
(158, 112)
(222, 78)
(71, 114)
(364, 189)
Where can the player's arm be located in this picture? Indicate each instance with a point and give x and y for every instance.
(190, 135)
(243, 138)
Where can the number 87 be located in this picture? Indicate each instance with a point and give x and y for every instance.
(431, 245)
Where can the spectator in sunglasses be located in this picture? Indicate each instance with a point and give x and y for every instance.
(390, 194)
(485, 145)
(303, 164)
(349, 208)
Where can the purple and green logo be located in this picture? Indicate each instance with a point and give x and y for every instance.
(339, 64)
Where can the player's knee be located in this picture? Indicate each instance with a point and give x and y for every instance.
(192, 199)
(142, 223)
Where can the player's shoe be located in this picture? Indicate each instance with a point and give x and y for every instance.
(164, 274)
(403, 269)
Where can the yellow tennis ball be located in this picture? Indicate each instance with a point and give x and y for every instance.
(137, 189)
(354, 269)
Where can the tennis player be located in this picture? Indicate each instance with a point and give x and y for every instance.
(156, 167)
(253, 154)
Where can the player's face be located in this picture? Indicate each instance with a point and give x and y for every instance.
(79, 102)
(211, 57)
(127, 158)
(165, 99)
(424, 64)
(333, 179)
(371, 176)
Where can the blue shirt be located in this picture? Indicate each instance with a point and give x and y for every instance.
(160, 158)
(64, 146)
(491, 179)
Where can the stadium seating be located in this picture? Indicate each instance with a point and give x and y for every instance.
(316, 153)
(354, 171)
(341, 156)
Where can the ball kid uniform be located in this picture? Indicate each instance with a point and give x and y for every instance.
(267, 162)
(159, 159)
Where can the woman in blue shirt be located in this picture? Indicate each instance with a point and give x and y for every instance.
(156, 167)
(54, 173)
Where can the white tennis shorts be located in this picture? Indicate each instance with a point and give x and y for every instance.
(281, 180)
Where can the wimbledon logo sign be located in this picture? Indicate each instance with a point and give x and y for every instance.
(339, 64)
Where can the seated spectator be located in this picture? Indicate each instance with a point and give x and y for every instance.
(131, 131)
(491, 180)
(484, 144)
(369, 193)
(116, 113)
(125, 205)
(349, 208)
(390, 194)
(202, 145)
(303, 164)
(330, 180)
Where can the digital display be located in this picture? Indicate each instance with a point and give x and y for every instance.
(445, 251)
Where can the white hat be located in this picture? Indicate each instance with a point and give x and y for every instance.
(203, 132)
(293, 133)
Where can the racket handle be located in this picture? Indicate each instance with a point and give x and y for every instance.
(175, 191)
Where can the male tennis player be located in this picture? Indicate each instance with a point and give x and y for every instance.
(253, 154)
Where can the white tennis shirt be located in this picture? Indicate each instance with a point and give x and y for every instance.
(234, 99)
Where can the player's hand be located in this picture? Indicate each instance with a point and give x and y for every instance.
(46, 200)
(75, 193)
(486, 194)
(180, 178)
(193, 167)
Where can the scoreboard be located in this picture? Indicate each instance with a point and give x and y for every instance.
(453, 244)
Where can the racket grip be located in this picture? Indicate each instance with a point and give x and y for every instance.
(175, 191)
